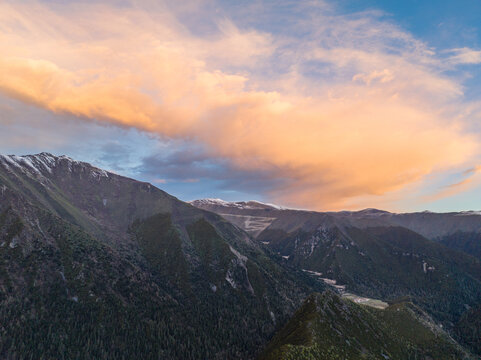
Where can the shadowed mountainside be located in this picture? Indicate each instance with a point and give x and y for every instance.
(96, 265)
(374, 253)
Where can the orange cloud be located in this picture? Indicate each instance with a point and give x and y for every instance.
(370, 133)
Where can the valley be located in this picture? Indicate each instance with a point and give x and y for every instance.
(90, 260)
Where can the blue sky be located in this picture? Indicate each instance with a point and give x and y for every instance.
(441, 24)
(351, 80)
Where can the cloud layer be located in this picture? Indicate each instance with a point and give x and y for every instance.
(351, 108)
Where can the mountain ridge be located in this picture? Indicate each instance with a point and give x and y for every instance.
(113, 267)
(69, 231)
(454, 229)
(376, 254)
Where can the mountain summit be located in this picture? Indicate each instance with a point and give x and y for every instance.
(97, 265)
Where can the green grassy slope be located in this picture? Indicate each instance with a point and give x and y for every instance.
(328, 327)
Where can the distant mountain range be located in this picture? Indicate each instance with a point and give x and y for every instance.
(96, 265)
(434, 226)
(375, 253)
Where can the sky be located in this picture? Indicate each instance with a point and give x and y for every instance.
(323, 105)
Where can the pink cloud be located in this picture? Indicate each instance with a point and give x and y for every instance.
(334, 142)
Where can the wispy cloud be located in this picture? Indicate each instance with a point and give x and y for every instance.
(464, 56)
(337, 106)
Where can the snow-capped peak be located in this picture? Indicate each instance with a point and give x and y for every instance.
(468, 213)
(31, 163)
(44, 163)
(268, 205)
(251, 204)
(211, 201)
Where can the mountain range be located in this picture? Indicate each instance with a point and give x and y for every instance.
(97, 265)
(375, 254)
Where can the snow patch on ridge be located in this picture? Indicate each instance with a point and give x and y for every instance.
(251, 204)
(467, 213)
(32, 163)
(44, 164)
